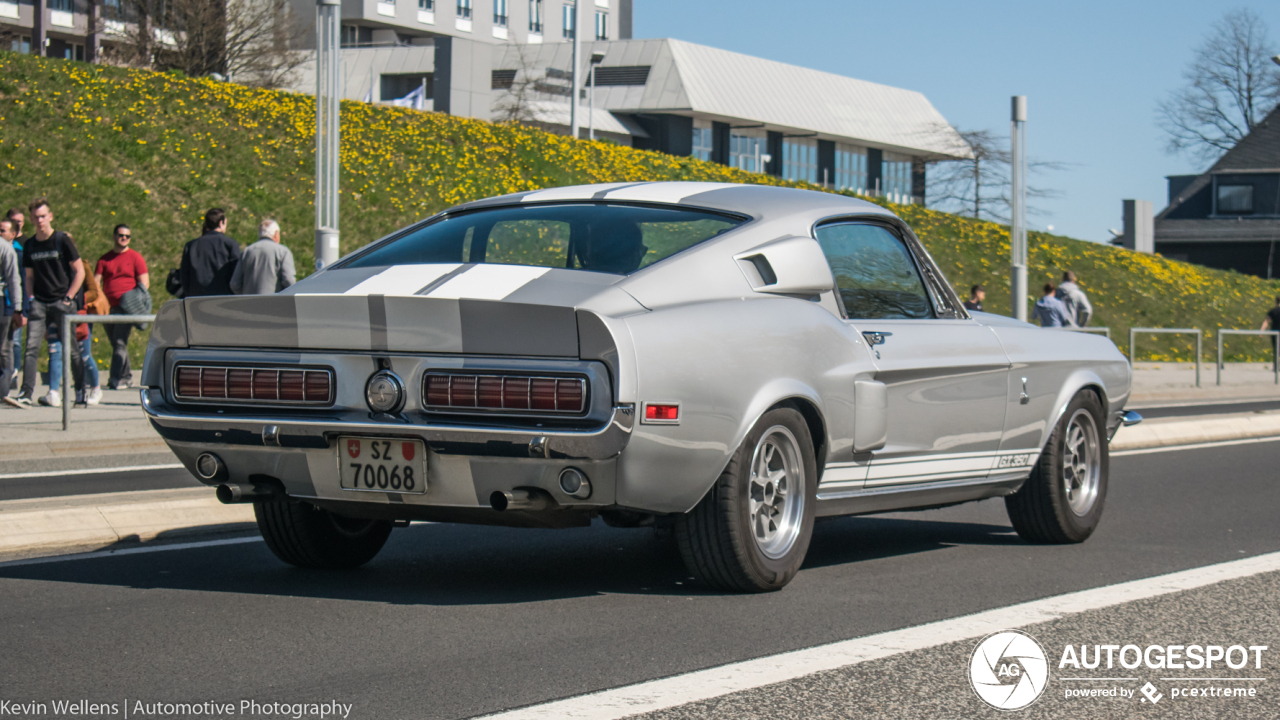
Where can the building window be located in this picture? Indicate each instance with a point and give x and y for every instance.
(356, 36)
(566, 16)
(1235, 199)
(895, 178)
(427, 5)
(602, 26)
(397, 86)
(535, 16)
(851, 169)
(800, 160)
(702, 142)
(464, 9)
(500, 13)
(63, 5)
(745, 151)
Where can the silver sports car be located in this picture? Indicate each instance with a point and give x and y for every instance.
(730, 360)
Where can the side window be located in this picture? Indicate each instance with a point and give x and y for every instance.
(874, 271)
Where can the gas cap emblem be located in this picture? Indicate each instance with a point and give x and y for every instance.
(384, 392)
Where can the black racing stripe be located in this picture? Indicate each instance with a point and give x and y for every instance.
(377, 322)
(603, 194)
(446, 278)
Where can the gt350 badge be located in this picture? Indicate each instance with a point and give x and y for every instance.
(1009, 461)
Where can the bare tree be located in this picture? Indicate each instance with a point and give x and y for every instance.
(517, 102)
(979, 186)
(1231, 86)
(253, 42)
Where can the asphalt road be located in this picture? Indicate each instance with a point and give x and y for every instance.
(93, 483)
(455, 621)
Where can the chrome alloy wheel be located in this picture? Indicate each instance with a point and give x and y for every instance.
(776, 493)
(1081, 462)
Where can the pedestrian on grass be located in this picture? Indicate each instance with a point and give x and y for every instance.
(977, 294)
(54, 279)
(266, 267)
(209, 261)
(119, 271)
(1050, 311)
(10, 276)
(1078, 307)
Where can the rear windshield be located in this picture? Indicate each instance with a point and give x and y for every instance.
(618, 239)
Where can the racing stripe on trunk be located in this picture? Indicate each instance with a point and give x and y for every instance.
(403, 279)
(488, 282)
(418, 323)
(377, 322)
(497, 328)
(221, 320)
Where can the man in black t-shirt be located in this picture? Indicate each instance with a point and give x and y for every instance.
(1273, 323)
(54, 277)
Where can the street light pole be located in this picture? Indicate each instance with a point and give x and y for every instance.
(1018, 228)
(596, 59)
(328, 89)
(574, 120)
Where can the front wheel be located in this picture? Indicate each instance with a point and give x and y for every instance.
(307, 536)
(751, 531)
(1062, 500)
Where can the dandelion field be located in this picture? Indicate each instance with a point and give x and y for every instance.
(110, 145)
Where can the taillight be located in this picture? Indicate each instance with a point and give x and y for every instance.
(505, 392)
(274, 385)
(662, 412)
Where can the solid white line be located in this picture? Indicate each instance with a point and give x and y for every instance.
(1256, 679)
(1062, 678)
(91, 471)
(128, 551)
(1193, 446)
(736, 677)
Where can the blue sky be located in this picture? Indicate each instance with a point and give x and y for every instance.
(1092, 73)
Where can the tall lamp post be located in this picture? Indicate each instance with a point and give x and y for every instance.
(596, 59)
(1018, 228)
(574, 121)
(328, 89)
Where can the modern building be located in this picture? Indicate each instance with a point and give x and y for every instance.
(1228, 217)
(70, 29)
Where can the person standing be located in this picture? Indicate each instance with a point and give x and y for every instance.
(209, 261)
(10, 277)
(54, 277)
(977, 294)
(1077, 303)
(1050, 311)
(118, 271)
(17, 215)
(266, 267)
(1272, 322)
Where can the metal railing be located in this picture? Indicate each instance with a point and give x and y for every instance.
(68, 336)
(1273, 333)
(1095, 330)
(1133, 332)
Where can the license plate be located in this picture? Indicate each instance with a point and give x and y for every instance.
(382, 465)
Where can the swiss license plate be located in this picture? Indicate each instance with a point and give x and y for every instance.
(382, 464)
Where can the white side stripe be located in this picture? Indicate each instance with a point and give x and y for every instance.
(488, 282)
(402, 279)
(736, 677)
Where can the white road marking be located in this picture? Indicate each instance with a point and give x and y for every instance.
(1194, 446)
(402, 279)
(92, 471)
(99, 554)
(737, 677)
(488, 282)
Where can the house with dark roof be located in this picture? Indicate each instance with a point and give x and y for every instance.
(1229, 216)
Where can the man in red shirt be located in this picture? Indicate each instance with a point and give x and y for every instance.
(120, 270)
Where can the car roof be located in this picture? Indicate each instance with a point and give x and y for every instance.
(761, 202)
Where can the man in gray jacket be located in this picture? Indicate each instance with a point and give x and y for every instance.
(1078, 307)
(12, 282)
(266, 267)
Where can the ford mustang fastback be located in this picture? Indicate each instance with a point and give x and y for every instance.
(730, 360)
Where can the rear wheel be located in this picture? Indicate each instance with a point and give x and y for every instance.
(1062, 500)
(752, 530)
(307, 536)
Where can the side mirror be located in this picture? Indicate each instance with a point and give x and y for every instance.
(787, 266)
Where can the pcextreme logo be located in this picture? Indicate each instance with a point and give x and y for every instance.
(1008, 670)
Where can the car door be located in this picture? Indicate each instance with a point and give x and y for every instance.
(945, 375)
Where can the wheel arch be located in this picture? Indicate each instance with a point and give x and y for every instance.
(1082, 380)
(816, 422)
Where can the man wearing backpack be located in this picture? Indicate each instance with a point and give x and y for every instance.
(54, 277)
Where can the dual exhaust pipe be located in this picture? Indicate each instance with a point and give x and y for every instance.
(211, 468)
(573, 482)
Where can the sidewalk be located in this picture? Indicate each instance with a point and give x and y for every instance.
(1175, 383)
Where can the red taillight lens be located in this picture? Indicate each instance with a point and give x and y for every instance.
(265, 384)
(661, 412)
(505, 392)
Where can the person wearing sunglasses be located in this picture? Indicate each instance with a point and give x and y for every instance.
(119, 271)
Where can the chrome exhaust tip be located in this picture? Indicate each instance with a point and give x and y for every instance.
(575, 484)
(520, 499)
(210, 467)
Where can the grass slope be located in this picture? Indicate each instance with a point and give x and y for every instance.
(110, 145)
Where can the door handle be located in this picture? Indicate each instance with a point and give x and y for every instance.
(874, 338)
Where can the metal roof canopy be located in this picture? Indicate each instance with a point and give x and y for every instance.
(713, 84)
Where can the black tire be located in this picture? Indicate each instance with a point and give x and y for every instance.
(717, 539)
(1043, 511)
(304, 535)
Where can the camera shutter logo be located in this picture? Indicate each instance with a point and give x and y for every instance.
(1008, 670)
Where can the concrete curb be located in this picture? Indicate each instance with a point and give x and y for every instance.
(53, 526)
